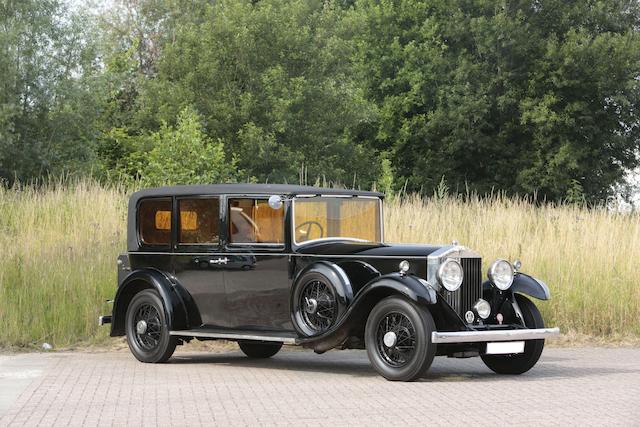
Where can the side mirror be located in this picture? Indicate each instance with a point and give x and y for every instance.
(275, 202)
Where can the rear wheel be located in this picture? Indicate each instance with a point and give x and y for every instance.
(398, 339)
(147, 329)
(258, 349)
(515, 364)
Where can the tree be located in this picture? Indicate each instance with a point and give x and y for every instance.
(274, 81)
(46, 110)
(183, 155)
(522, 96)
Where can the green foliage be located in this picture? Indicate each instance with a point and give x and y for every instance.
(524, 97)
(184, 155)
(47, 113)
(521, 96)
(273, 80)
(575, 193)
(386, 181)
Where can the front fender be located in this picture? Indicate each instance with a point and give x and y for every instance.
(528, 285)
(409, 286)
(335, 274)
(138, 280)
(525, 284)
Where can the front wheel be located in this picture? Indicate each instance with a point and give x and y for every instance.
(398, 339)
(147, 329)
(515, 364)
(259, 350)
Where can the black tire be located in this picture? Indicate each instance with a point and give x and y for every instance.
(154, 344)
(319, 299)
(516, 364)
(412, 326)
(259, 349)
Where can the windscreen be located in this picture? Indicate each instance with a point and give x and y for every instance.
(349, 218)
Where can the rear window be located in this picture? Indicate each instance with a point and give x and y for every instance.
(154, 222)
(199, 221)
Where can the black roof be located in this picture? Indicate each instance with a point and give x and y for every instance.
(258, 189)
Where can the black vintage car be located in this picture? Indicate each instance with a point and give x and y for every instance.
(267, 265)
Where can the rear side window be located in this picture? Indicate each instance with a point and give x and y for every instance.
(254, 221)
(199, 221)
(154, 222)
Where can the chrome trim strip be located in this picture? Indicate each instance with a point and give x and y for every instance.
(262, 245)
(233, 336)
(278, 253)
(333, 239)
(490, 336)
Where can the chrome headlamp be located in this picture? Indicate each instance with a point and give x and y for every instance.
(450, 274)
(482, 308)
(501, 274)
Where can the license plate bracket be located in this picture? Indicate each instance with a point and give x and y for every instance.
(505, 347)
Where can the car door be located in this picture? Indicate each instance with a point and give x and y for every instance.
(198, 260)
(256, 272)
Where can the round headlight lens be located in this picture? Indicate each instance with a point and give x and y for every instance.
(501, 274)
(450, 274)
(482, 308)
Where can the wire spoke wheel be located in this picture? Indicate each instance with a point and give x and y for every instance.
(147, 326)
(396, 339)
(318, 304)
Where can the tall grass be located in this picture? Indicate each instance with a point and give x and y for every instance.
(589, 258)
(57, 268)
(59, 245)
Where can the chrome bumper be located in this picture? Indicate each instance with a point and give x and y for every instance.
(491, 336)
(104, 320)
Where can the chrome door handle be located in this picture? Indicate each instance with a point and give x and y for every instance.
(219, 261)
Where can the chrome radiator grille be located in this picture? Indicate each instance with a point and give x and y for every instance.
(463, 299)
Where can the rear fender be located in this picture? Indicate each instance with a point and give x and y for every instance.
(138, 280)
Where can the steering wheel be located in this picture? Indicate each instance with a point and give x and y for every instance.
(309, 225)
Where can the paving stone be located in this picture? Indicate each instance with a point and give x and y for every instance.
(580, 386)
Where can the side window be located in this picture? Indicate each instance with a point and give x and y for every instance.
(254, 221)
(199, 221)
(154, 222)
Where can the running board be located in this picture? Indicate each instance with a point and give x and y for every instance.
(235, 336)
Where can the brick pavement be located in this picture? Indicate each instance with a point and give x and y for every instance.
(580, 386)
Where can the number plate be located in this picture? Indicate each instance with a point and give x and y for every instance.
(509, 347)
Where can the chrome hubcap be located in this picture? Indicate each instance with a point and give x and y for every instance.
(390, 339)
(141, 327)
(318, 306)
(311, 305)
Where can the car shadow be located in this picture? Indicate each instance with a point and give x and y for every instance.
(356, 363)
(302, 361)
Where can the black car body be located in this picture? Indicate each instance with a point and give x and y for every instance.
(267, 265)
